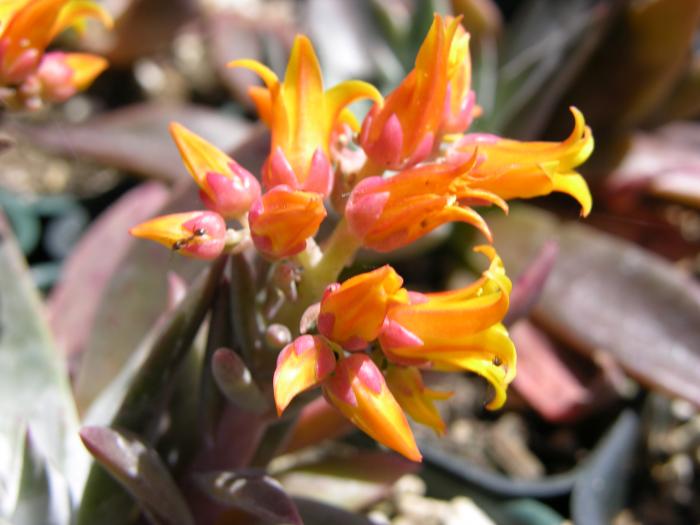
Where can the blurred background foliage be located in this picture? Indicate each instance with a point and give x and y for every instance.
(602, 425)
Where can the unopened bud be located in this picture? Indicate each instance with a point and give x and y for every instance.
(277, 336)
(200, 234)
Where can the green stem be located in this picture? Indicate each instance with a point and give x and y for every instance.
(369, 169)
(339, 251)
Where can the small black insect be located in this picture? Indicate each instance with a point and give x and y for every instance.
(183, 243)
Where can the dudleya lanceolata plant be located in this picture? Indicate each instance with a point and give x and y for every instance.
(367, 340)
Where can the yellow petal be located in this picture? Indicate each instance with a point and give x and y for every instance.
(359, 391)
(344, 94)
(8, 8)
(76, 12)
(198, 155)
(199, 234)
(406, 384)
(301, 365)
(265, 73)
(86, 68)
(349, 118)
(575, 185)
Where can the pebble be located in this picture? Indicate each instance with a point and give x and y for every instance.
(418, 510)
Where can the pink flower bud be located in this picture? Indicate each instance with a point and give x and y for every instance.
(199, 234)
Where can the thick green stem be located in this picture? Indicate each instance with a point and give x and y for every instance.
(338, 252)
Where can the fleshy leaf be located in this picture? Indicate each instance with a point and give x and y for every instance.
(34, 387)
(141, 471)
(136, 138)
(236, 382)
(606, 294)
(74, 302)
(135, 398)
(253, 492)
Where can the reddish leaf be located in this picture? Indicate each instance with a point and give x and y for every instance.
(530, 283)
(317, 422)
(130, 303)
(543, 379)
(607, 295)
(73, 303)
(136, 138)
(253, 492)
(137, 293)
(236, 382)
(666, 164)
(141, 471)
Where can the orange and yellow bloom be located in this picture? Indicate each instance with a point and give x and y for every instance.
(357, 388)
(302, 117)
(513, 169)
(283, 219)
(387, 213)
(404, 130)
(225, 186)
(457, 330)
(301, 365)
(27, 27)
(352, 313)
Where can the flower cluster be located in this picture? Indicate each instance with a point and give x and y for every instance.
(370, 322)
(418, 169)
(30, 76)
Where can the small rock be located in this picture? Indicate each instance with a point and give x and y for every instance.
(463, 511)
(682, 409)
(377, 517)
(461, 432)
(509, 449)
(410, 484)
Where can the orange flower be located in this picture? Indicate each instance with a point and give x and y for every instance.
(513, 169)
(357, 388)
(406, 383)
(389, 212)
(283, 219)
(459, 329)
(404, 130)
(301, 365)
(199, 234)
(352, 313)
(225, 186)
(302, 117)
(27, 27)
